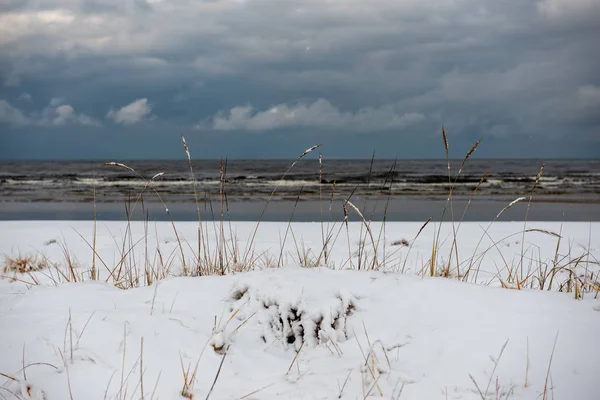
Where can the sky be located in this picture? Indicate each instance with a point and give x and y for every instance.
(97, 79)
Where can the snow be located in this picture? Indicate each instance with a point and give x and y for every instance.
(296, 332)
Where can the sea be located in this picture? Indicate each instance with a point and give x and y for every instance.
(306, 190)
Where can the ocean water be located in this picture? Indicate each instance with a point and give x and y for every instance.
(402, 189)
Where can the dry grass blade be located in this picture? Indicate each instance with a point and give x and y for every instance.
(344, 384)
(320, 164)
(545, 395)
(185, 391)
(433, 253)
(257, 390)
(454, 246)
(450, 201)
(186, 148)
(218, 373)
(538, 177)
(481, 181)
(535, 184)
(424, 225)
(324, 248)
(373, 386)
(9, 377)
(309, 150)
(445, 140)
(483, 178)
(39, 363)
(544, 232)
(470, 153)
(193, 178)
(142, 367)
(496, 362)
(288, 229)
(368, 230)
(477, 387)
(250, 244)
(512, 203)
(361, 248)
(413, 241)
(306, 152)
(189, 158)
(160, 198)
(94, 270)
(295, 358)
(120, 165)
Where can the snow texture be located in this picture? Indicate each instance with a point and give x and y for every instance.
(294, 332)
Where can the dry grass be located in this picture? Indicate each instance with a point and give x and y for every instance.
(572, 271)
(401, 242)
(22, 264)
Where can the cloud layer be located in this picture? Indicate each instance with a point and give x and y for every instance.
(512, 69)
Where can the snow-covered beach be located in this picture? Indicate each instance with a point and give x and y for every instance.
(481, 328)
(273, 199)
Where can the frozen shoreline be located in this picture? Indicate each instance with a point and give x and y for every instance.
(397, 209)
(375, 333)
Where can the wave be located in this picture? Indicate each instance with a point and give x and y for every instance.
(429, 180)
(59, 181)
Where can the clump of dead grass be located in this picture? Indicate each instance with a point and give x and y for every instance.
(401, 242)
(23, 264)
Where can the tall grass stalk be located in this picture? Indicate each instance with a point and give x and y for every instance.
(471, 260)
(148, 183)
(535, 184)
(201, 241)
(94, 271)
(250, 245)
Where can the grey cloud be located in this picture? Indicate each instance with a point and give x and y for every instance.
(64, 114)
(12, 116)
(320, 114)
(569, 9)
(56, 101)
(13, 80)
(26, 97)
(132, 113)
(589, 96)
(57, 113)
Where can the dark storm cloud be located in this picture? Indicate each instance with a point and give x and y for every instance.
(253, 72)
